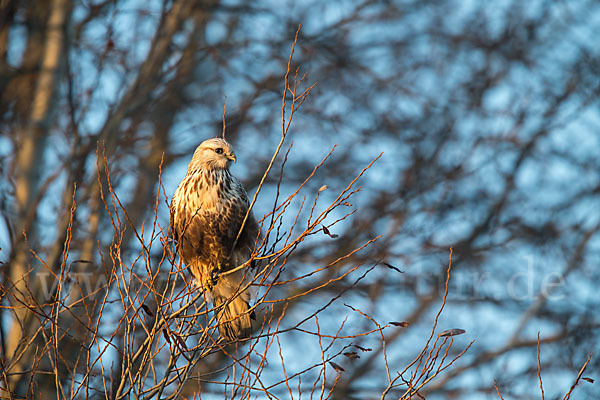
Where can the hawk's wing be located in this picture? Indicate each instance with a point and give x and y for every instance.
(187, 219)
(246, 242)
(174, 232)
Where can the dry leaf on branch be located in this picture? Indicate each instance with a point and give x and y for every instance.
(392, 267)
(166, 335)
(452, 332)
(337, 368)
(326, 231)
(181, 342)
(147, 310)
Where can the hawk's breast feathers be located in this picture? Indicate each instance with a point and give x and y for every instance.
(207, 212)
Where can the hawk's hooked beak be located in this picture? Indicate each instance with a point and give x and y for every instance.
(231, 156)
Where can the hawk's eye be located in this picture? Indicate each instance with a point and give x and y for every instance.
(219, 151)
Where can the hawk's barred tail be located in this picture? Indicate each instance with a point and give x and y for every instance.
(233, 318)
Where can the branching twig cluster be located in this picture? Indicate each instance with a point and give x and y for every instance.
(137, 327)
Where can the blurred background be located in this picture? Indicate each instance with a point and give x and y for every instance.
(487, 114)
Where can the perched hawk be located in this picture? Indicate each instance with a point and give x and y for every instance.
(207, 212)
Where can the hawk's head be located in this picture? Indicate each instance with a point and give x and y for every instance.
(212, 154)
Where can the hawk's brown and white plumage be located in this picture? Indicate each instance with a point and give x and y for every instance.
(207, 212)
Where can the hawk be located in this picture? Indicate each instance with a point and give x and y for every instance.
(207, 211)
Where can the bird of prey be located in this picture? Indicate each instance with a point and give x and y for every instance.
(207, 211)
